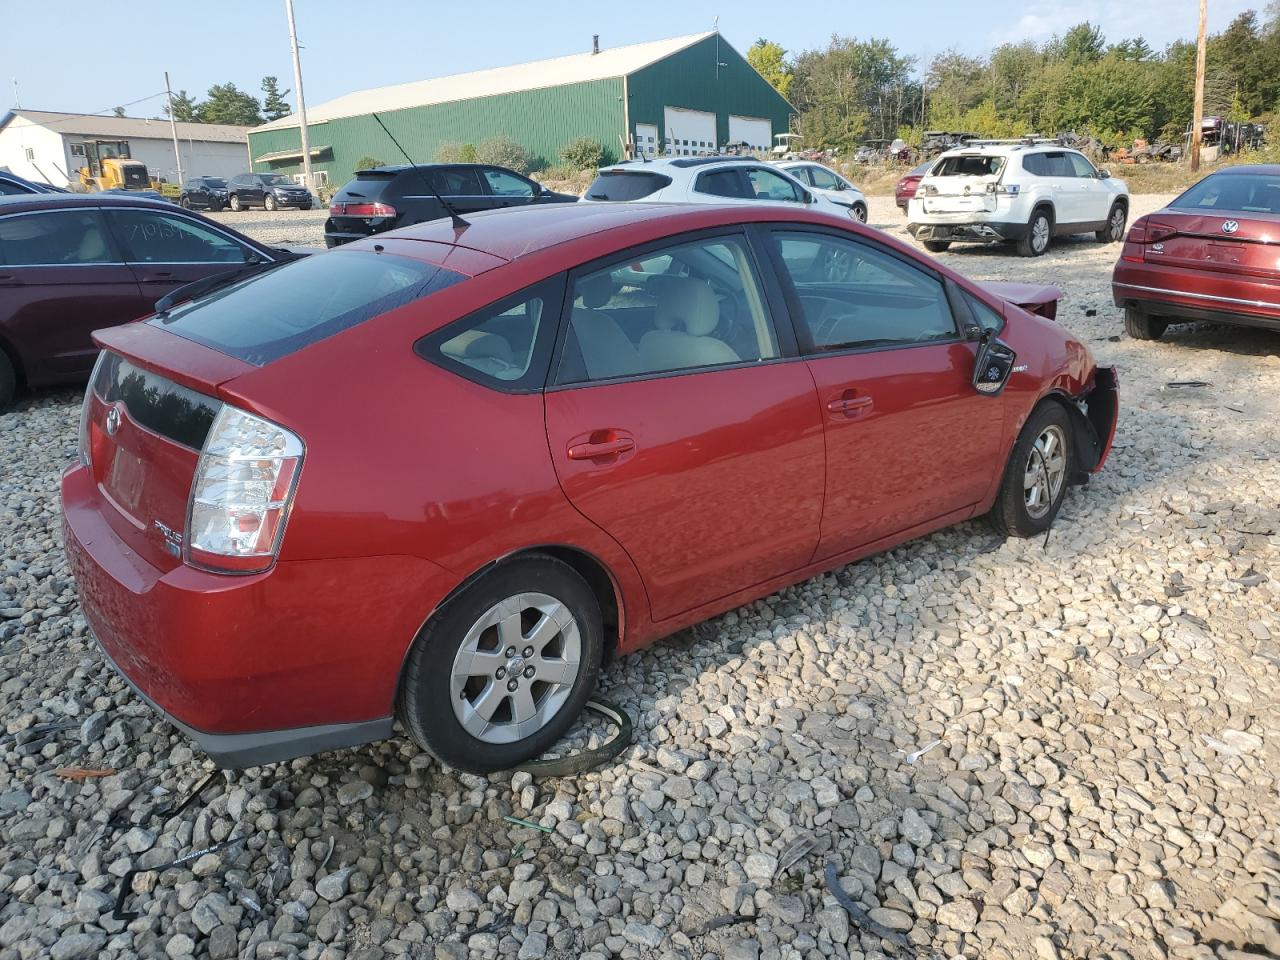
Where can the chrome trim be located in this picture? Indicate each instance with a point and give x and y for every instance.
(1201, 296)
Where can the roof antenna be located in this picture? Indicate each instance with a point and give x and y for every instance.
(458, 222)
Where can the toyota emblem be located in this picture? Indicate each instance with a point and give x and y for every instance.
(1230, 226)
(113, 421)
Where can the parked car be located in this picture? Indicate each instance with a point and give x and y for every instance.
(1026, 191)
(204, 193)
(825, 182)
(905, 188)
(386, 198)
(1209, 255)
(271, 191)
(73, 263)
(649, 414)
(11, 184)
(716, 180)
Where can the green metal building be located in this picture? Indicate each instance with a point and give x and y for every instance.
(687, 95)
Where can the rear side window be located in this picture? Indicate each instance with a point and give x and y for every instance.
(55, 238)
(150, 236)
(459, 182)
(724, 183)
(273, 314)
(626, 185)
(1036, 165)
(968, 166)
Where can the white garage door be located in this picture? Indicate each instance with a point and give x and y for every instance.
(753, 131)
(689, 133)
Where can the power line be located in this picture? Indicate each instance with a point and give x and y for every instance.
(97, 113)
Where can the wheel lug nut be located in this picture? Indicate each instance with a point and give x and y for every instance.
(528, 671)
(511, 651)
(528, 651)
(513, 685)
(500, 672)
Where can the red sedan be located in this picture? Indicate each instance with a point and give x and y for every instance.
(1211, 254)
(439, 474)
(905, 188)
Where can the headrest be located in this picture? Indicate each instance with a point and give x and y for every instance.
(686, 302)
(597, 289)
(478, 343)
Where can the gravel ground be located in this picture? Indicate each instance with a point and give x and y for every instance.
(1004, 749)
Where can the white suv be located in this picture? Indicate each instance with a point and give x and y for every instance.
(705, 180)
(1026, 191)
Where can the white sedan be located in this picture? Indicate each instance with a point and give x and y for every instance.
(827, 183)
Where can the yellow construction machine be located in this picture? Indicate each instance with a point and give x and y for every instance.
(109, 166)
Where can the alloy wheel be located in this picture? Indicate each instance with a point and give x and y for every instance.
(1040, 233)
(1117, 224)
(1045, 471)
(515, 668)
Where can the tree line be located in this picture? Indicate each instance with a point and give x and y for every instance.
(227, 103)
(852, 90)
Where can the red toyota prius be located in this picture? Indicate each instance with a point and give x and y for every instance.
(440, 474)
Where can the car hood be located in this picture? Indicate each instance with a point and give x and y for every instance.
(1032, 297)
(845, 198)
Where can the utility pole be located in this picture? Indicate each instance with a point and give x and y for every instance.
(1198, 113)
(302, 102)
(173, 130)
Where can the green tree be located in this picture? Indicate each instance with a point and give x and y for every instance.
(582, 154)
(274, 105)
(851, 89)
(185, 108)
(1083, 43)
(228, 104)
(118, 111)
(770, 61)
(368, 163)
(504, 152)
(954, 85)
(456, 153)
(1135, 48)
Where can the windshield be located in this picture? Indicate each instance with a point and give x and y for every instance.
(270, 315)
(277, 180)
(1246, 193)
(969, 166)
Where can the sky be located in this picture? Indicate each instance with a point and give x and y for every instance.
(87, 61)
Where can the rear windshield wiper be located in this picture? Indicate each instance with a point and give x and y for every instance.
(199, 288)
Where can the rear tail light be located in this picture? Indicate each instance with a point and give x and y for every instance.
(337, 209)
(241, 494)
(1008, 189)
(84, 448)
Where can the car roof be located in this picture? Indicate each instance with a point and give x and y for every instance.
(1244, 169)
(51, 201)
(519, 231)
(679, 163)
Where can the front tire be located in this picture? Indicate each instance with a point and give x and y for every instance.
(1035, 480)
(859, 211)
(1142, 326)
(269, 202)
(1035, 242)
(8, 382)
(937, 246)
(235, 203)
(498, 675)
(184, 203)
(1113, 232)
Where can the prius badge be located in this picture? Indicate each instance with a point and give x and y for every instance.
(1230, 226)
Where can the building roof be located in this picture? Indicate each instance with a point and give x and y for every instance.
(575, 68)
(91, 125)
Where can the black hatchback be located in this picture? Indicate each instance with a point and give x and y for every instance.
(386, 198)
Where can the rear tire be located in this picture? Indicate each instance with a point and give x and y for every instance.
(1035, 484)
(465, 659)
(1142, 326)
(8, 382)
(234, 203)
(1035, 241)
(1113, 232)
(937, 246)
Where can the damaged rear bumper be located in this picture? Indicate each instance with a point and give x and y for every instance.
(1096, 414)
(976, 231)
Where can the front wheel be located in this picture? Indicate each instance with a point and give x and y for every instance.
(859, 212)
(1035, 480)
(184, 203)
(1113, 232)
(1036, 240)
(269, 202)
(235, 203)
(1142, 326)
(937, 246)
(499, 674)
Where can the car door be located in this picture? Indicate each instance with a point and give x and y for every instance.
(1094, 199)
(462, 187)
(679, 425)
(168, 250)
(61, 277)
(506, 189)
(909, 441)
(1065, 186)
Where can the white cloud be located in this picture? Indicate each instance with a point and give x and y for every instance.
(1159, 21)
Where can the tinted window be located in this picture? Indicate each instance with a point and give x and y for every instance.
(505, 184)
(9, 188)
(275, 313)
(275, 180)
(767, 185)
(723, 183)
(1081, 167)
(852, 295)
(626, 185)
(216, 182)
(1057, 165)
(149, 236)
(1035, 164)
(823, 179)
(57, 237)
(456, 182)
(1245, 193)
(968, 166)
(682, 307)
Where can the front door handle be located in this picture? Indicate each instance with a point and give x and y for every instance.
(9, 280)
(603, 448)
(849, 404)
(158, 276)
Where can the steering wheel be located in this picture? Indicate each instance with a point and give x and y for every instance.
(837, 265)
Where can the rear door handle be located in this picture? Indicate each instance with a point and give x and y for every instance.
(603, 448)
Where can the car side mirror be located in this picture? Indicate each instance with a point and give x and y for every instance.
(809, 197)
(1104, 174)
(993, 365)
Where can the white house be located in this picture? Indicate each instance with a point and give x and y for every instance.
(50, 147)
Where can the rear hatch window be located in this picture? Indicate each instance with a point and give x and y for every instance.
(273, 314)
(969, 166)
(626, 185)
(958, 184)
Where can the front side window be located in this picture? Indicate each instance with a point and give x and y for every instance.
(505, 184)
(767, 185)
(1082, 167)
(149, 236)
(457, 182)
(682, 307)
(69, 237)
(723, 183)
(853, 296)
(823, 179)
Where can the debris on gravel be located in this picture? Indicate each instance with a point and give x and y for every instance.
(1010, 749)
